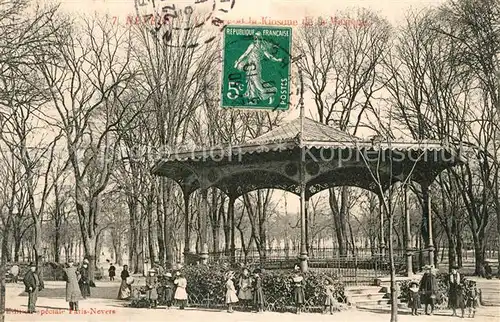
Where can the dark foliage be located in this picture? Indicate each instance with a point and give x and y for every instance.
(206, 288)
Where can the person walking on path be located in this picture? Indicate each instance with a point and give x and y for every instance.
(181, 295)
(33, 284)
(245, 288)
(112, 272)
(73, 294)
(456, 299)
(258, 293)
(231, 297)
(125, 289)
(428, 289)
(84, 282)
(298, 289)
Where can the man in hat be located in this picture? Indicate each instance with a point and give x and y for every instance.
(428, 288)
(32, 283)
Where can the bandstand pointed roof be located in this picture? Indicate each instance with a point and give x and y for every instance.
(330, 157)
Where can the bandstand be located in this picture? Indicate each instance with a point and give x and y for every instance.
(305, 159)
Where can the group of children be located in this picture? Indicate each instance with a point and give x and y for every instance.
(467, 298)
(168, 294)
(250, 291)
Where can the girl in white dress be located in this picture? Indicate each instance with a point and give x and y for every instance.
(231, 292)
(180, 295)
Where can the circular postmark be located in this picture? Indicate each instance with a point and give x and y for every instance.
(166, 19)
(257, 67)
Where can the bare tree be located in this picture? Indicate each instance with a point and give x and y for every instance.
(89, 76)
(340, 64)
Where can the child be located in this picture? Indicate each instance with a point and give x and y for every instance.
(298, 288)
(169, 290)
(151, 285)
(414, 298)
(258, 294)
(472, 298)
(181, 295)
(231, 297)
(329, 290)
(245, 285)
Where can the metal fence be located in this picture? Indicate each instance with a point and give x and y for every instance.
(359, 266)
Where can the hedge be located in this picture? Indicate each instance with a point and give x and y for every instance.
(206, 288)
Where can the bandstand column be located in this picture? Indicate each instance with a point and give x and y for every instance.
(427, 217)
(409, 253)
(204, 226)
(232, 200)
(306, 212)
(381, 222)
(187, 235)
(303, 229)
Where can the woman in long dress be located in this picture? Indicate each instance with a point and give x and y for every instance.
(73, 294)
(456, 299)
(245, 285)
(258, 293)
(180, 295)
(298, 289)
(251, 64)
(428, 289)
(151, 285)
(125, 290)
(84, 282)
(231, 297)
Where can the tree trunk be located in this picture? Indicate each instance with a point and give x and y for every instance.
(226, 226)
(133, 233)
(38, 239)
(17, 249)
(159, 225)
(168, 218)
(3, 266)
(394, 289)
(151, 239)
(339, 217)
(5, 243)
(479, 256)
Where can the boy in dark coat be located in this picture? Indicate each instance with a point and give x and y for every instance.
(33, 283)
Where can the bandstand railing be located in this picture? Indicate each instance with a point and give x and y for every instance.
(359, 266)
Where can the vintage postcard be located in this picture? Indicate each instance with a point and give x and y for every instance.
(237, 160)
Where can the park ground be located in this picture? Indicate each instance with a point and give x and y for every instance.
(103, 306)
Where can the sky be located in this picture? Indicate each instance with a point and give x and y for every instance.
(392, 10)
